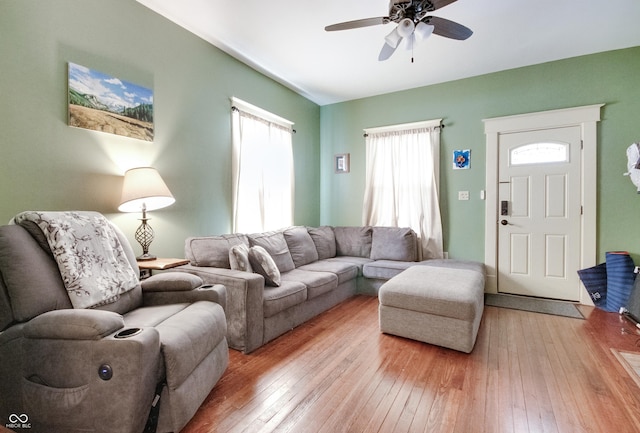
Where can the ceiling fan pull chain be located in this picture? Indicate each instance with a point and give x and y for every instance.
(413, 44)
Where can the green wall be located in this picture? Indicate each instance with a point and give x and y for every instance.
(612, 78)
(47, 165)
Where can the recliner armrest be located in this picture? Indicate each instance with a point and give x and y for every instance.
(171, 282)
(74, 324)
(178, 287)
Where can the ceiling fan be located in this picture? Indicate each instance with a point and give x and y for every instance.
(413, 24)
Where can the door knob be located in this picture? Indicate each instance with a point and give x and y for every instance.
(504, 222)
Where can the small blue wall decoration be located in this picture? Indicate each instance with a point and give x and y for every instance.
(461, 159)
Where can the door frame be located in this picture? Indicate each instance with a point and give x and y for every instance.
(586, 117)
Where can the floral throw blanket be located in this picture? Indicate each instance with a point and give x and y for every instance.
(92, 262)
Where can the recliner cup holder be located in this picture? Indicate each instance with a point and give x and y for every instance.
(128, 332)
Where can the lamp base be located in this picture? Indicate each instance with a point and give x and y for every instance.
(146, 257)
(144, 236)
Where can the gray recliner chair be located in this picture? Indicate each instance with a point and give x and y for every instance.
(65, 369)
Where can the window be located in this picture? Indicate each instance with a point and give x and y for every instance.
(537, 153)
(401, 187)
(262, 169)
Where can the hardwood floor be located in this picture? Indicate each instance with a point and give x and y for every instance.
(528, 372)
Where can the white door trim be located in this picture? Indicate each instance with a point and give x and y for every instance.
(586, 117)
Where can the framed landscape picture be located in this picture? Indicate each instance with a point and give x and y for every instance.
(103, 103)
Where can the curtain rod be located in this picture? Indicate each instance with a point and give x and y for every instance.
(441, 126)
(234, 108)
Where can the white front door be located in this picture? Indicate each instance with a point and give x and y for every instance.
(539, 230)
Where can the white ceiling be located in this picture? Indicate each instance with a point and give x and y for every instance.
(286, 40)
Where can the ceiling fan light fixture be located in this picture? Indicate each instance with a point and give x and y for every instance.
(409, 42)
(423, 30)
(393, 38)
(413, 25)
(405, 27)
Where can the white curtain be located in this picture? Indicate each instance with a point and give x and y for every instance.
(262, 171)
(401, 184)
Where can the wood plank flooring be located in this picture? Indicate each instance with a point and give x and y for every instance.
(528, 372)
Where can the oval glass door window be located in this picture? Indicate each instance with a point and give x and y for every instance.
(539, 153)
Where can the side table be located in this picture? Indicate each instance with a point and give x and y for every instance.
(159, 264)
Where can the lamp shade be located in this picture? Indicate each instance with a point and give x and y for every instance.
(143, 188)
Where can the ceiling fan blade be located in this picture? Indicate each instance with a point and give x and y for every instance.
(438, 4)
(448, 28)
(387, 51)
(366, 22)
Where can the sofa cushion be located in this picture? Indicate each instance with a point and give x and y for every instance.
(151, 316)
(344, 270)
(277, 299)
(324, 240)
(317, 282)
(188, 337)
(239, 258)
(353, 241)
(385, 269)
(394, 243)
(276, 246)
(358, 262)
(39, 290)
(263, 264)
(212, 250)
(301, 246)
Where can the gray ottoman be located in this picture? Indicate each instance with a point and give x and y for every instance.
(440, 305)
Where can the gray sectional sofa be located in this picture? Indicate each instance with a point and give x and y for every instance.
(319, 267)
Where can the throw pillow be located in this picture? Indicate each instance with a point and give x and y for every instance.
(239, 258)
(263, 264)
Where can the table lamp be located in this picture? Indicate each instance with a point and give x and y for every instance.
(144, 190)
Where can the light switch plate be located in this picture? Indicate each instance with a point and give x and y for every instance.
(463, 195)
